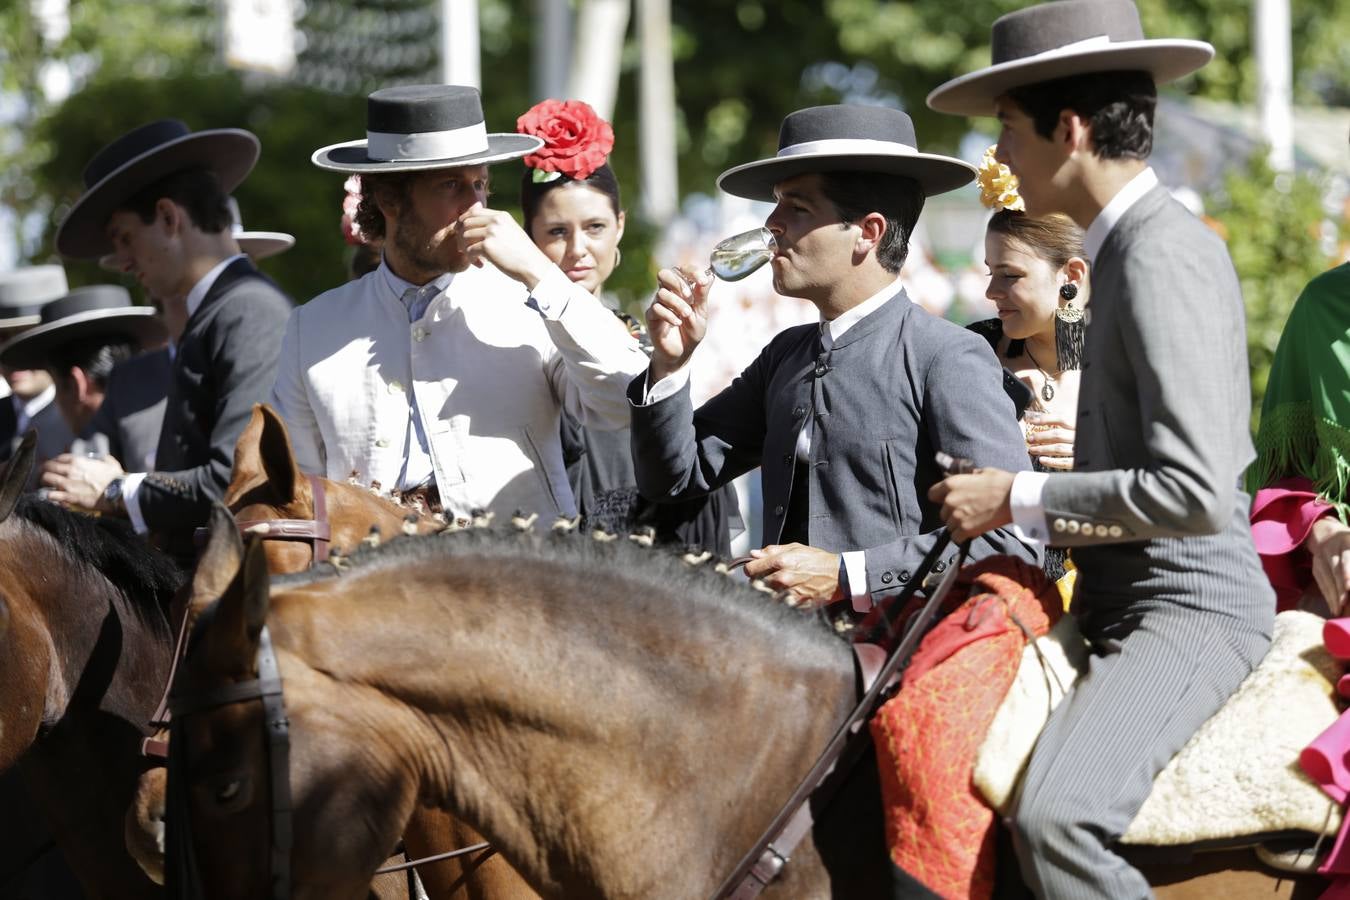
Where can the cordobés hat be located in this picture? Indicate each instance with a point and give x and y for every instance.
(25, 291)
(846, 138)
(1062, 38)
(138, 159)
(257, 244)
(424, 126)
(102, 309)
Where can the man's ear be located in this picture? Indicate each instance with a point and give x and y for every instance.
(1073, 132)
(168, 215)
(871, 229)
(80, 379)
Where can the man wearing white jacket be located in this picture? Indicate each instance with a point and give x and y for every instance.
(443, 371)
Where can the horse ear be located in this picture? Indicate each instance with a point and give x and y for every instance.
(278, 460)
(17, 473)
(219, 562)
(232, 640)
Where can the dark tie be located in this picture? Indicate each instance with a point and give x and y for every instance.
(797, 520)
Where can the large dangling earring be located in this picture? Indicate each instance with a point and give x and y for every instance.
(618, 256)
(1070, 331)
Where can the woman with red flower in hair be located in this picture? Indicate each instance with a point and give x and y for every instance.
(570, 200)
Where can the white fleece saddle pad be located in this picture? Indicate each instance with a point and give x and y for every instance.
(1238, 776)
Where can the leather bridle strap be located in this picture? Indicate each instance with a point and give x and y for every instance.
(771, 853)
(317, 530)
(267, 688)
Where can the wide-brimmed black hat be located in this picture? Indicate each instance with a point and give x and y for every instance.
(101, 309)
(25, 291)
(849, 139)
(1063, 38)
(424, 126)
(138, 159)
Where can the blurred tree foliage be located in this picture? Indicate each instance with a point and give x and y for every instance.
(1272, 223)
(740, 66)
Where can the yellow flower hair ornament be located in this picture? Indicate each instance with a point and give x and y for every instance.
(998, 185)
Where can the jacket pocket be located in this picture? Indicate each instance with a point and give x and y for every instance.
(537, 461)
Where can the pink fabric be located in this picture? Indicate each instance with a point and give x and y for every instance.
(1327, 761)
(1282, 516)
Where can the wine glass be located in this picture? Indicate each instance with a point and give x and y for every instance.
(737, 256)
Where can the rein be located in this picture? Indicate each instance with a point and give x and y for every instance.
(769, 855)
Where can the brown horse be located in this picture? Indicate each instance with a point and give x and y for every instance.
(618, 723)
(267, 485)
(86, 651)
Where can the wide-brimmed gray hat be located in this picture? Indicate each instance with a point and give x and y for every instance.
(101, 309)
(424, 126)
(846, 138)
(138, 159)
(1063, 38)
(23, 293)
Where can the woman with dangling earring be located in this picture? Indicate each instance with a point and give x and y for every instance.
(1038, 280)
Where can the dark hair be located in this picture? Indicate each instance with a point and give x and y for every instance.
(96, 355)
(898, 198)
(532, 192)
(365, 259)
(197, 190)
(1117, 105)
(1055, 238)
(395, 188)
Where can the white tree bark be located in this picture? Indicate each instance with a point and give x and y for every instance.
(656, 113)
(600, 29)
(1274, 67)
(460, 62)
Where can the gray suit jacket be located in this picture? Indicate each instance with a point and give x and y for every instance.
(133, 409)
(226, 362)
(899, 385)
(1154, 507)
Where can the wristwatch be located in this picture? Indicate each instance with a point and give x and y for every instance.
(112, 496)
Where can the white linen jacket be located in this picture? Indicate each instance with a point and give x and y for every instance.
(489, 375)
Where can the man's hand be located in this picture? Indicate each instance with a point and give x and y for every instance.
(677, 320)
(1329, 545)
(79, 480)
(976, 503)
(493, 235)
(809, 574)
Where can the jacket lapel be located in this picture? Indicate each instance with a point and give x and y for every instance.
(235, 271)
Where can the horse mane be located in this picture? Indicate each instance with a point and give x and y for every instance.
(146, 577)
(700, 585)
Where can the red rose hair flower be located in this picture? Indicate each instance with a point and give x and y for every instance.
(576, 140)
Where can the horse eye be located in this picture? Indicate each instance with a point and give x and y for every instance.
(228, 791)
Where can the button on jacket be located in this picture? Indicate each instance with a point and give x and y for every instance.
(488, 374)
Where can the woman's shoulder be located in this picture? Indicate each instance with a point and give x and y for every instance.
(989, 329)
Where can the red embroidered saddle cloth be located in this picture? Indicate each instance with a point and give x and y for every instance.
(928, 735)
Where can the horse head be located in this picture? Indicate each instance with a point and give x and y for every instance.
(267, 484)
(231, 785)
(16, 474)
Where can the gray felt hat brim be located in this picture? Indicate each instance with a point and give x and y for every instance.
(32, 348)
(351, 156)
(228, 152)
(1165, 59)
(935, 174)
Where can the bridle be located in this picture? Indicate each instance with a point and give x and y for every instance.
(316, 531)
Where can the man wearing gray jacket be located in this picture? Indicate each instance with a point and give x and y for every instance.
(1170, 591)
(843, 417)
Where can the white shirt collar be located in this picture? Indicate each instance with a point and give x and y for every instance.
(1106, 220)
(834, 329)
(399, 286)
(200, 289)
(24, 410)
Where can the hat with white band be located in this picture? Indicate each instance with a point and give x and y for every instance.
(424, 126)
(846, 138)
(1063, 38)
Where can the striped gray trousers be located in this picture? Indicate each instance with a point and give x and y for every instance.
(1158, 671)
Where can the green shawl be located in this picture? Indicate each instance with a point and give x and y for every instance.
(1305, 417)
